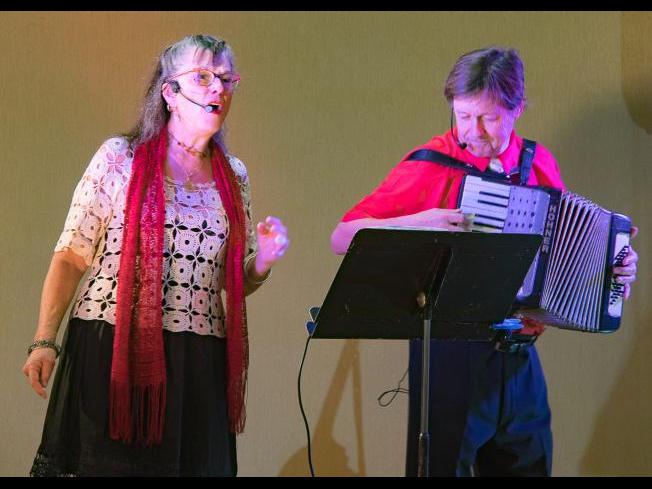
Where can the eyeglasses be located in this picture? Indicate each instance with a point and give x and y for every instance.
(205, 78)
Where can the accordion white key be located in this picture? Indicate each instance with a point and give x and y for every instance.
(570, 284)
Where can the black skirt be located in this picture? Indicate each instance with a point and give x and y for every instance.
(196, 438)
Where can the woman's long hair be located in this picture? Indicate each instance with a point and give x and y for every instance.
(153, 113)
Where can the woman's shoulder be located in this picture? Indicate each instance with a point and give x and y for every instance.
(110, 166)
(114, 155)
(117, 147)
(238, 167)
(114, 150)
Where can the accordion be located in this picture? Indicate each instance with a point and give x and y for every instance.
(570, 284)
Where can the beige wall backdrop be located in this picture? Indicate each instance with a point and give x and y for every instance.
(329, 102)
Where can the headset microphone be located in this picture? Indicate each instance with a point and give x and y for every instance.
(176, 88)
(459, 143)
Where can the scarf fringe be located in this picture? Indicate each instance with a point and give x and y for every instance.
(120, 426)
(237, 406)
(137, 414)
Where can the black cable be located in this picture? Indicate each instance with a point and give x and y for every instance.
(303, 413)
(398, 390)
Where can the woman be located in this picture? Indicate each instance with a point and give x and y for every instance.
(154, 367)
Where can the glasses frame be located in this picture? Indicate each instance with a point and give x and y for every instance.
(216, 76)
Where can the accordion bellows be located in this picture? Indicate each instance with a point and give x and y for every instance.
(570, 284)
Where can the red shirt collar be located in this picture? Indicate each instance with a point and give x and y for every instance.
(509, 158)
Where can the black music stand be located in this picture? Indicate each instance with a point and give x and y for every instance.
(401, 283)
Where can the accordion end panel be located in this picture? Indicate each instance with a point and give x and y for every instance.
(570, 284)
(619, 247)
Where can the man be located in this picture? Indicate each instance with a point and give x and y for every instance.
(489, 412)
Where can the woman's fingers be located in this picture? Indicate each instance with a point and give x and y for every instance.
(273, 221)
(274, 240)
(281, 241)
(35, 381)
(271, 224)
(38, 369)
(46, 371)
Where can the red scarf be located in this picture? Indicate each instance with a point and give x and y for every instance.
(138, 379)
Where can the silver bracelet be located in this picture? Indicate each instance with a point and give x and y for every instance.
(246, 266)
(44, 344)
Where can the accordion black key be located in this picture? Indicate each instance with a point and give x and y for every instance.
(570, 284)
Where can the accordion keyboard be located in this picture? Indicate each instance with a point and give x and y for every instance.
(504, 208)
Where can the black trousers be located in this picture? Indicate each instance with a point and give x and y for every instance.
(489, 413)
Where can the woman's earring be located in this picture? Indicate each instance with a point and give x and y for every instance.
(169, 108)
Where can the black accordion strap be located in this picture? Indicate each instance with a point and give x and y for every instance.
(526, 159)
(525, 162)
(440, 158)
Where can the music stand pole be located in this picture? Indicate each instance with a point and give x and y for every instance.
(424, 435)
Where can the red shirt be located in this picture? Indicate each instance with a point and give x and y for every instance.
(414, 186)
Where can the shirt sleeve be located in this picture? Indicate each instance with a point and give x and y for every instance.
(411, 187)
(243, 179)
(546, 169)
(92, 200)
